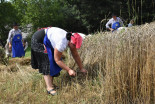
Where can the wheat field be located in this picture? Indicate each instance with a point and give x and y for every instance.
(121, 70)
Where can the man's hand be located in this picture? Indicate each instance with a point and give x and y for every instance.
(71, 72)
(111, 29)
(10, 46)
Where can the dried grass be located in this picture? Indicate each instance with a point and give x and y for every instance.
(126, 63)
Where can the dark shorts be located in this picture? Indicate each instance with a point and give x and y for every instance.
(39, 59)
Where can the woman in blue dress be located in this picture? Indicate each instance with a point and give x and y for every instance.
(47, 46)
(115, 23)
(15, 42)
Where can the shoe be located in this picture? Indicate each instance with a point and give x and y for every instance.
(49, 92)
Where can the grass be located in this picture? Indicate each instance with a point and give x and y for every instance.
(121, 70)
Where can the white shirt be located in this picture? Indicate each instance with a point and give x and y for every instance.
(12, 33)
(57, 38)
(112, 21)
(130, 25)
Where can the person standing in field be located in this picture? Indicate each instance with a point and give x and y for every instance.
(115, 23)
(15, 41)
(47, 46)
(131, 23)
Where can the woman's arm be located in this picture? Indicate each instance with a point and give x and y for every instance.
(26, 46)
(9, 38)
(109, 23)
(57, 58)
(77, 57)
(121, 22)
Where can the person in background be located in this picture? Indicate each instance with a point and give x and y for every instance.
(25, 44)
(131, 23)
(15, 41)
(8, 51)
(115, 23)
(47, 46)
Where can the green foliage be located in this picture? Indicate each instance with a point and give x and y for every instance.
(43, 13)
(74, 15)
(7, 16)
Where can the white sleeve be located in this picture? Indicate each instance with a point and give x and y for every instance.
(9, 36)
(121, 22)
(26, 46)
(108, 23)
(20, 32)
(61, 46)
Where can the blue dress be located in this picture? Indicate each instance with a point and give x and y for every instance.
(54, 68)
(116, 25)
(17, 46)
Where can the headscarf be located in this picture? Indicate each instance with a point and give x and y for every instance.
(76, 39)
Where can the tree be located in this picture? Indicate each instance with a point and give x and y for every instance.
(79, 15)
(7, 17)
